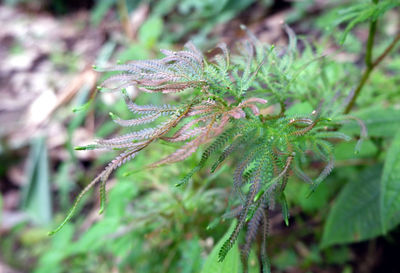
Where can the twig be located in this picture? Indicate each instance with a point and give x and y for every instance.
(370, 64)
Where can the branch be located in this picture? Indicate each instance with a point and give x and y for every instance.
(370, 65)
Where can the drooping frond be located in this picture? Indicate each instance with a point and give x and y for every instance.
(251, 232)
(103, 176)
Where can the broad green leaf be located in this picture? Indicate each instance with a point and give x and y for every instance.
(300, 109)
(380, 122)
(390, 187)
(231, 263)
(150, 31)
(254, 265)
(134, 52)
(355, 215)
(347, 150)
(36, 192)
(190, 260)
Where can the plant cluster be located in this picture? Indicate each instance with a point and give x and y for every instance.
(226, 92)
(237, 103)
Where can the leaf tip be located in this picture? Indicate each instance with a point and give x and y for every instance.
(287, 221)
(87, 147)
(258, 195)
(112, 115)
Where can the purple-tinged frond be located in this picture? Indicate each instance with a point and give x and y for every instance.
(147, 109)
(197, 53)
(149, 66)
(237, 113)
(183, 61)
(122, 158)
(184, 152)
(225, 52)
(252, 228)
(254, 100)
(127, 145)
(199, 112)
(137, 121)
(185, 135)
(117, 82)
(130, 137)
(120, 67)
(250, 103)
(191, 123)
(306, 121)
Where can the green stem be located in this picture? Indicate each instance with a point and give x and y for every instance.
(369, 63)
(370, 44)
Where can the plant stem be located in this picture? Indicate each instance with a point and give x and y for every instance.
(387, 50)
(369, 63)
(370, 44)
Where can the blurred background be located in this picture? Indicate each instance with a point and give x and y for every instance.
(49, 104)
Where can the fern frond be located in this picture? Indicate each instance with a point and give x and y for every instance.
(325, 172)
(228, 150)
(255, 184)
(225, 53)
(103, 176)
(187, 149)
(276, 179)
(135, 122)
(332, 134)
(363, 133)
(301, 174)
(251, 233)
(323, 148)
(129, 137)
(146, 109)
(266, 265)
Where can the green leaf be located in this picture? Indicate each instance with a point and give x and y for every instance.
(380, 122)
(355, 215)
(190, 260)
(390, 187)
(231, 263)
(285, 208)
(302, 108)
(36, 193)
(346, 150)
(150, 31)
